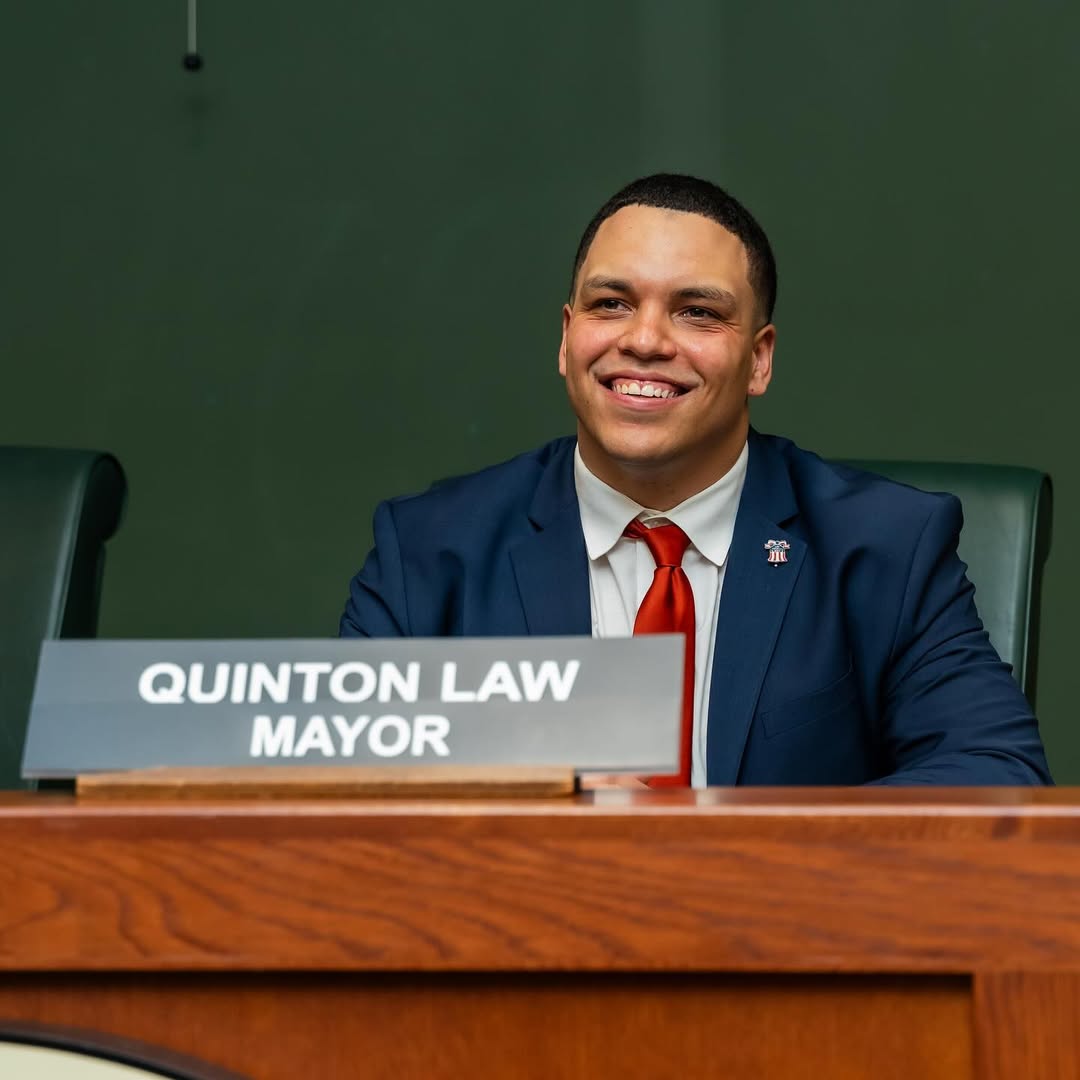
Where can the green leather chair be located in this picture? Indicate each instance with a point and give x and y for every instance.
(57, 509)
(1005, 542)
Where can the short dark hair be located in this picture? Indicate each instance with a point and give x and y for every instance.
(672, 191)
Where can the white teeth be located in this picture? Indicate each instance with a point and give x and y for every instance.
(647, 389)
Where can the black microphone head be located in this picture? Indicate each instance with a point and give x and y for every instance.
(192, 61)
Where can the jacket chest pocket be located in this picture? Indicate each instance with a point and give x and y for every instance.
(838, 697)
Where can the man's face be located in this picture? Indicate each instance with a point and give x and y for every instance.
(661, 349)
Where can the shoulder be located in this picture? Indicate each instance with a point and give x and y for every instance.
(842, 508)
(503, 490)
(846, 489)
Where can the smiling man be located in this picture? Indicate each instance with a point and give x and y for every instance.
(664, 340)
(832, 634)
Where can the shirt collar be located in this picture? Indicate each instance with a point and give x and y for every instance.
(708, 517)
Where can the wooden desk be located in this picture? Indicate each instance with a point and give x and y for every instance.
(736, 933)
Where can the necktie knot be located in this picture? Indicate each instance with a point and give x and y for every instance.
(667, 543)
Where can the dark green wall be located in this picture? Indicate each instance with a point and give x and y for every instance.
(328, 268)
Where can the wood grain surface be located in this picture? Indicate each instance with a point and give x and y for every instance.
(781, 934)
(1027, 1024)
(526, 1027)
(330, 782)
(871, 881)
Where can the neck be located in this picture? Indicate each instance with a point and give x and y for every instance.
(660, 485)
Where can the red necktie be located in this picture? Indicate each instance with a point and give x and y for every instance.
(668, 608)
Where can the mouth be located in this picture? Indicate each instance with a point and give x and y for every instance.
(639, 390)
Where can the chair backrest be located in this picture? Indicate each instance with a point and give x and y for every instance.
(1005, 542)
(57, 509)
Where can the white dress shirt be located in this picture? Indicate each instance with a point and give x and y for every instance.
(621, 569)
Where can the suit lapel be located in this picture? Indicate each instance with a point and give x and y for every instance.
(551, 566)
(752, 605)
(551, 570)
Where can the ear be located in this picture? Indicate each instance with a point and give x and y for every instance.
(566, 312)
(761, 358)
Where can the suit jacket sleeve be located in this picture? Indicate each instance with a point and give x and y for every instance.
(377, 603)
(952, 712)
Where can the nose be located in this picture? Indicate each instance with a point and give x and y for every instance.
(646, 335)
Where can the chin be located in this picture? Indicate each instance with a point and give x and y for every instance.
(635, 453)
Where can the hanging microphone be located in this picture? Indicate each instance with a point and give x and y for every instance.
(192, 58)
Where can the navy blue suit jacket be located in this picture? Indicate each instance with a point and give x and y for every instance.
(860, 659)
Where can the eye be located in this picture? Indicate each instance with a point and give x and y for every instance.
(609, 303)
(699, 313)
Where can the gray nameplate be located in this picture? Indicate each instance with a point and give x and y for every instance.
(595, 704)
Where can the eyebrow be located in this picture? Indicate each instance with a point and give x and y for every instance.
(691, 292)
(707, 292)
(614, 284)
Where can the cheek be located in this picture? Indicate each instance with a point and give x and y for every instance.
(585, 344)
(715, 361)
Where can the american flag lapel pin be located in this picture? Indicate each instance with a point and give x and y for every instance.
(777, 550)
